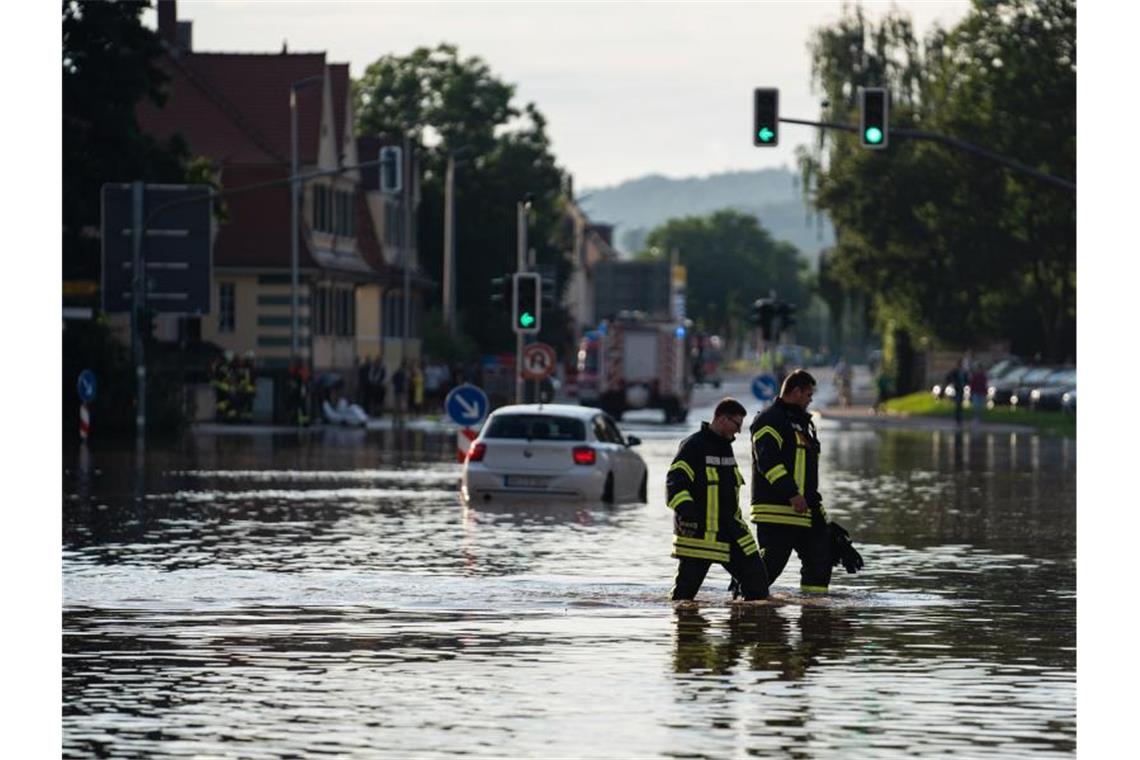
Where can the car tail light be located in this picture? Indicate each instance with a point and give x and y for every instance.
(585, 455)
(476, 452)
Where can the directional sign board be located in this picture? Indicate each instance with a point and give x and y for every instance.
(175, 249)
(86, 386)
(538, 360)
(466, 405)
(764, 387)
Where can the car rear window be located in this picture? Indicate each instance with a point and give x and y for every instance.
(537, 427)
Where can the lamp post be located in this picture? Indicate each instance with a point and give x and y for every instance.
(454, 159)
(294, 198)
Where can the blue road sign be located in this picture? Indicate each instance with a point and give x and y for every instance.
(87, 386)
(466, 405)
(764, 387)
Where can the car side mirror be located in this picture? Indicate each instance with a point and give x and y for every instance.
(633, 440)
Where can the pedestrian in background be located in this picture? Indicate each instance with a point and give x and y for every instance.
(978, 383)
(417, 387)
(399, 386)
(703, 490)
(377, 385)
(958, 380)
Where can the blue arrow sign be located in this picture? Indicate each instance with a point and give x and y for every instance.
(87, 386)
(764, 387)
(466, 405)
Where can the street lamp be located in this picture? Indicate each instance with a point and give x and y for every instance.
(294, 197)
(454, 159)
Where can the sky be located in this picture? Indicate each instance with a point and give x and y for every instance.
(629, 89)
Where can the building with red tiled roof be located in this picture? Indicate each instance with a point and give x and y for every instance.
(234, 109)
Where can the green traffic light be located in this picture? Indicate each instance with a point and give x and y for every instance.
(766, 134)
(873, 135)
(526, 319)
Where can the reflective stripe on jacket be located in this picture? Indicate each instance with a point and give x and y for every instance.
(785, 462)
(702, 487)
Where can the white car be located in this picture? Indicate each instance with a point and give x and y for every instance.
(553, 450)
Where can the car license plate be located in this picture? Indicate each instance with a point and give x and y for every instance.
(525, 481)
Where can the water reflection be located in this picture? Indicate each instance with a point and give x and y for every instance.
(328, 592)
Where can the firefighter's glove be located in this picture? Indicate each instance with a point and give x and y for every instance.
(687, 521)
(842, 550)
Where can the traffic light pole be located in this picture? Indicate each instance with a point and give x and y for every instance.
(521, 267)
(954, 142)
(138, 304)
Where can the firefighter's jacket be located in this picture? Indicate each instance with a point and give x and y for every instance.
(703, 490)
(785, 462)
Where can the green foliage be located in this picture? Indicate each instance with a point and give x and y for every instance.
(951, 245)
(503, 153)
(108, 68)
(731, 260)
(923, 404)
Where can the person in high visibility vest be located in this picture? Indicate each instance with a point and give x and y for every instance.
(222, 383)
(703, 490)
(786, 505)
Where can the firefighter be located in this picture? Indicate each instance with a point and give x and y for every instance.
(703, 490)
(222, 381)
(786, 505)
(299, 392)
(245, 387)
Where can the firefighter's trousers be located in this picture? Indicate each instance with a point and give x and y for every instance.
(746, 568)
(813, 545)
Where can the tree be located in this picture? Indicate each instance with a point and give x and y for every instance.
(950, 245)
(503, 155)
(731, 260)
(108, 68)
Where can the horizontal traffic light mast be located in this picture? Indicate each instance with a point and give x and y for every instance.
(873, 130)
(954, 142)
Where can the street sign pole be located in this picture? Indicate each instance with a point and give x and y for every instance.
(518, 335)
(138, 299)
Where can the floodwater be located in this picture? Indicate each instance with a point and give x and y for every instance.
(316, 594)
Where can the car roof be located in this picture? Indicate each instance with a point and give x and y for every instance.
(562, 410)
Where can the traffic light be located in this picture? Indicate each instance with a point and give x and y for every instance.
(765, 117)
(874, 126)
(763, 311)
(787, 319)
(548, 290)
(502, 289)
(391, 169)
(526, 314)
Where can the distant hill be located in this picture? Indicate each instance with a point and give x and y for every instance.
(638, 205)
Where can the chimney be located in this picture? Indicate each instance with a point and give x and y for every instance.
(168, 22)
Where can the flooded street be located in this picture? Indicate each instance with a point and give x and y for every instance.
(326, 593)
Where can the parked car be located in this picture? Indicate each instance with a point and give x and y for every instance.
(1049, 395)
(548, 451)
(1034, 378)
(1002, 388)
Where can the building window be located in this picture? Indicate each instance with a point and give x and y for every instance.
(227, 309)
(392, 325)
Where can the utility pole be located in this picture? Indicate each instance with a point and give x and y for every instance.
(407, 248)
(449, 247)
(521, 209)
(138, 304)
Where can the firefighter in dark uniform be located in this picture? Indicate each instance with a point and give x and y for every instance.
(703, 490)
(786, 505)
(221, 378)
